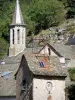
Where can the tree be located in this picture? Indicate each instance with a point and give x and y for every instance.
(71, 92)
(3, 47)
(45, 13)
(71, 8)
(38, 14)
(5, 17)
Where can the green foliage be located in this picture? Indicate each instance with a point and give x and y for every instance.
(72, 73)
(71, 8)
(38, 14)
(71, 92)
(5, 14)
(5, 18)
(3, 47)
(70, 29)
(64, 2)
(45, 13)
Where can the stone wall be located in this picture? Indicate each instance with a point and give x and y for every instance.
(23, 82)
(17, 40)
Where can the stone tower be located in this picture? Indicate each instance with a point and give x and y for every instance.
(17, 32)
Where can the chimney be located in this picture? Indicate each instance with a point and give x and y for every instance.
(62, 60)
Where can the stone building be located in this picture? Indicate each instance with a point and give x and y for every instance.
(25, 75)
(41, 75)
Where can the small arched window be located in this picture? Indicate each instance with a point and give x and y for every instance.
(18, 36)
(23, 85)
(24, 82)
(13, 37)
(22, 37)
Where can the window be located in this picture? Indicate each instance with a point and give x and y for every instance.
(18, 36)
(13, 36)
(22, 38)
(41, 64)
(24, 82)
(49, 51)
(23, 85)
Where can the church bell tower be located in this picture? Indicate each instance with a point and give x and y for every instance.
(17, 32)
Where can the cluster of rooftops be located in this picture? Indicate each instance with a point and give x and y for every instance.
(51, 66)
(39, 64)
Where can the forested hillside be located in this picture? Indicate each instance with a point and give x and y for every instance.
(37, 14)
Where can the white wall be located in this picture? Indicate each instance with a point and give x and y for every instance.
(45, 51)
(40, 92)
(17, 48)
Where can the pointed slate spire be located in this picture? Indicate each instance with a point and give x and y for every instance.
(17, 17)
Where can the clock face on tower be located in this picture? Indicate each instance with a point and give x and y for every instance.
(49, 87)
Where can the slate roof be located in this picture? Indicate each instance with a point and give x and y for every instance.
(8, 86)
(71, 41)
(68, 51)
(54, 69)
(71, 63)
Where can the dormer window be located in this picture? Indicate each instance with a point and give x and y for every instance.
(41, 64)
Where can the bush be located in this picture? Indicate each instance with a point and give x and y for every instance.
(71, 92)
(72, 74)
(46, 13)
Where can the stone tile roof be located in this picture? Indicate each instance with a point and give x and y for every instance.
(68, 51)
(8, 86)
(71, 63)
(54, 68)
